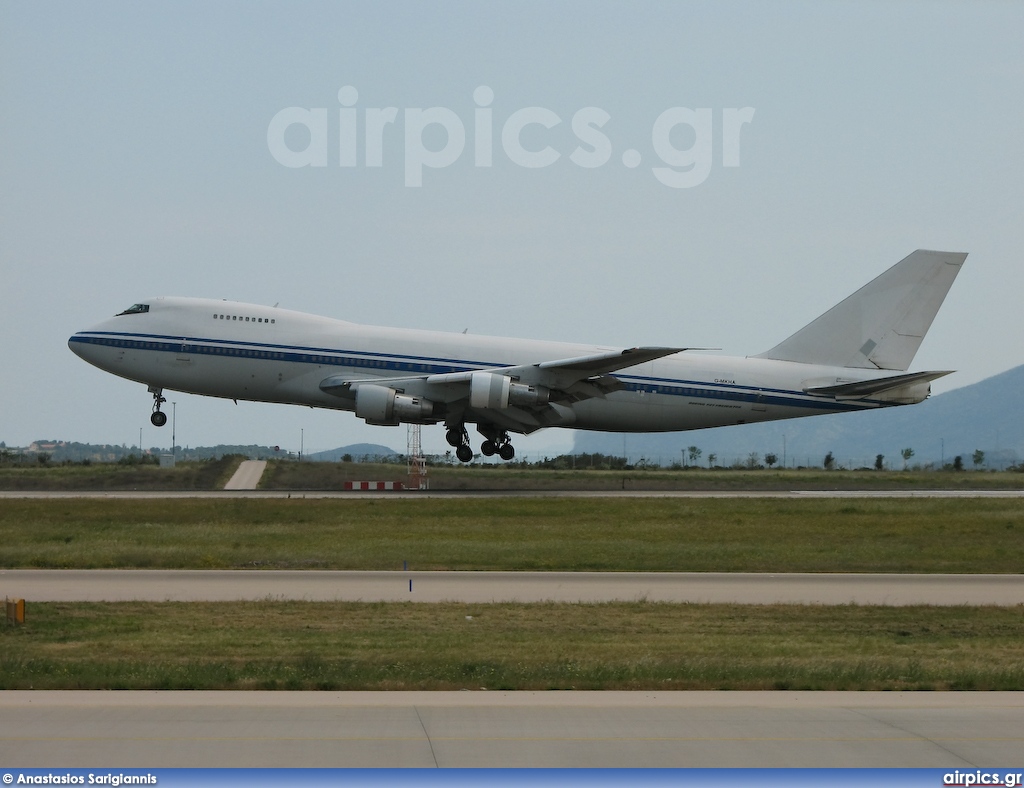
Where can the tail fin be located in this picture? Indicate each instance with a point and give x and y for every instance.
(881, 325)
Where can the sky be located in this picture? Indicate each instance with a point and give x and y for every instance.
(683, 173)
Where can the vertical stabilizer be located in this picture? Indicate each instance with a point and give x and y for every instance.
(881, 326)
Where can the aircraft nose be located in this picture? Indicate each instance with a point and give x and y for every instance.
(89, 347)
(93, 344)
(79, 345)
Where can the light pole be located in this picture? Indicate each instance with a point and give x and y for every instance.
(174, 429)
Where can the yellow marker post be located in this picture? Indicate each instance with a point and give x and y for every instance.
(15, 611)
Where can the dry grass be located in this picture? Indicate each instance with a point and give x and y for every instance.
(290, 475)
(203, 475)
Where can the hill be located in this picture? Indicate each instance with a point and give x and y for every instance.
(357, 452)
(986, 415)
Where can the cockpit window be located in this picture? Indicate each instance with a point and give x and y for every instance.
(134, 309)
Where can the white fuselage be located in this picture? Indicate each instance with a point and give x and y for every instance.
(249, 352)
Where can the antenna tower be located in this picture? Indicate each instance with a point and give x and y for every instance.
(417, 462)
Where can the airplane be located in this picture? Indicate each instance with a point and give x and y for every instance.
(853, 357)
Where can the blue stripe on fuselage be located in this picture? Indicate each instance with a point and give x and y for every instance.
(426, 365)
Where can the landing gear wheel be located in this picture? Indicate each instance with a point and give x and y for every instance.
(454, 436)
(464, 453)
(496, 441)
(158, 419)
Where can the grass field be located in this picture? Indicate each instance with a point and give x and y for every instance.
(592, 534)
(348, 646)
(303, 645)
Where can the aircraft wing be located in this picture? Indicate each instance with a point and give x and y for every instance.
(611, 361)
(560, 374)
(563, 373)
(521, 398)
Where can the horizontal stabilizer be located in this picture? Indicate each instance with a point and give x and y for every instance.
(911, 388)
(881, 326)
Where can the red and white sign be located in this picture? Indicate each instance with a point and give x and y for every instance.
(373, 486)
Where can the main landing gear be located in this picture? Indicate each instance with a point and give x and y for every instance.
(497, 442)
(159, 418)
(502, 447)
(459, 438)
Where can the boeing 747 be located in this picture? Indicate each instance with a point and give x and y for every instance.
(853, 357)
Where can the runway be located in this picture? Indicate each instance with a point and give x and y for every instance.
(156, 585)
(511, 729)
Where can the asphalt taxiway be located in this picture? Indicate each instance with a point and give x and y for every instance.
(509, 729)
(159, 585)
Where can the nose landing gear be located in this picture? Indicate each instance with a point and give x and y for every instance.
(159, 418)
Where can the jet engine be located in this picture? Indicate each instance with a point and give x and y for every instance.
(488, 390)
(385, 406)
